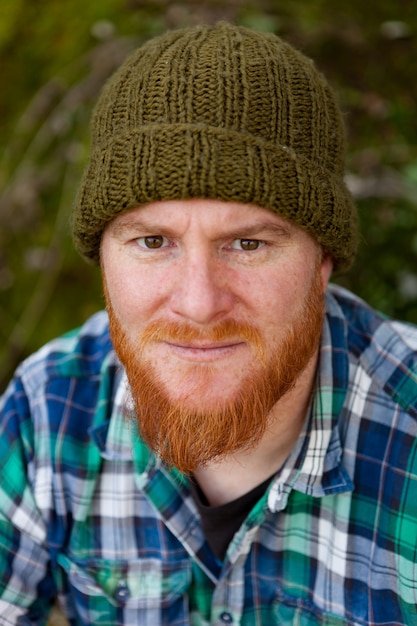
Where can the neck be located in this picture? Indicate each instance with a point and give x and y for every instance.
(234, 476)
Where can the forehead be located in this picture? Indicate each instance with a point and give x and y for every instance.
(213, 215)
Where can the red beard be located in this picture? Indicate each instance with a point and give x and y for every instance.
(190, 432)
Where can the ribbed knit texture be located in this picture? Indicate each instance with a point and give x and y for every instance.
(219, 112)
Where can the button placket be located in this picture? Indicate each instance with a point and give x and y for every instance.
(226, 617)
(122, 593)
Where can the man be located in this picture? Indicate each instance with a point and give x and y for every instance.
(243, 449)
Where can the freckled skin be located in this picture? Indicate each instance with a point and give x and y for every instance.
(203, 262)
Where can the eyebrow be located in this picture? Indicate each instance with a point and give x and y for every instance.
(129, 223)
(252, 230)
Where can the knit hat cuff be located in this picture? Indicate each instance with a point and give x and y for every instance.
(179, 161)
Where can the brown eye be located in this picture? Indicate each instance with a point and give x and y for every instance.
(247, 244)
(152, 242)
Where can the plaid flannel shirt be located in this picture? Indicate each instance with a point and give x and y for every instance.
(88, 514)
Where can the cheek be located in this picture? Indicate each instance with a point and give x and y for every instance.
(279, 298)
(135, 296)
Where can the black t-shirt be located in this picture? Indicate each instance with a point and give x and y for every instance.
(220, 523)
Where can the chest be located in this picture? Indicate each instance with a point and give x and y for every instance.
(139, 555)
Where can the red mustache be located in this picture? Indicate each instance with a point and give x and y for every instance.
(185, 333)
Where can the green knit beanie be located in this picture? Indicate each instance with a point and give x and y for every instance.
(219, 112)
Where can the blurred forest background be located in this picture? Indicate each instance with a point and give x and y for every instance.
(54, 57)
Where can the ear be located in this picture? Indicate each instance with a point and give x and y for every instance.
(326, 269)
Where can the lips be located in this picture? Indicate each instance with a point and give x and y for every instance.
(204, 351)
(204, 346)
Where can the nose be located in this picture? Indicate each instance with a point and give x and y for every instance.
(202, 294)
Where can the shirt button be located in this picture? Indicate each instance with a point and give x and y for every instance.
(121, 593)
(226, 618)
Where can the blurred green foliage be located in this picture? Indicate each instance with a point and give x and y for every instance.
(55, 55)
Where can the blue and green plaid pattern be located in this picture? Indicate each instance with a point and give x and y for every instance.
(88, 514)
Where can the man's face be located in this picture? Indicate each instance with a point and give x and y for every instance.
(215, 310)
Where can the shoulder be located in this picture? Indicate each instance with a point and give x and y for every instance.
(385, 350)
(78, 353)
(75, 359)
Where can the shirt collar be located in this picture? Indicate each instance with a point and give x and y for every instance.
(314, 466)
(117, 436)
